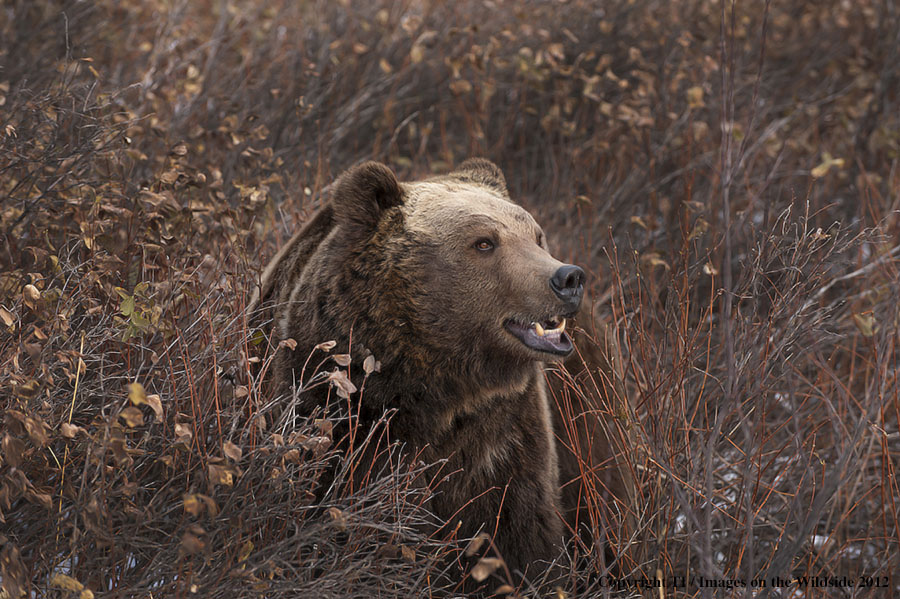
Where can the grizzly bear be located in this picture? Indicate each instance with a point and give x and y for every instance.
(449, 284)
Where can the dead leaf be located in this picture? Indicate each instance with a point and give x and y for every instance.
(338, 518)
(156, 405)
(827, 163)
(485, 567)
(191, 543)
(460, 87)
(7, 317)
(342, 383)
(66, 583)
(192, 504)
(32, 294)
(370, 365)
(132, 417)
(341, 359)
(136, 394)
(69, 431)
(221, 474)
(326, 346)
(231, 450)
(476, 543)
(695, 97)
(866, 323)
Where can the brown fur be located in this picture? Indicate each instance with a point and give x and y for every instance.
(393, 266)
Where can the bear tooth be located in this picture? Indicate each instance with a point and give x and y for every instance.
(562, 326)
(539, 329)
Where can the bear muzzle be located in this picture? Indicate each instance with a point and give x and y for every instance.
(548, 336)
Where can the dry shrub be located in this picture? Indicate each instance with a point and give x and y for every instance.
(726, 173)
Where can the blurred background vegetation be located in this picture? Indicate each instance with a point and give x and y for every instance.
(727, 173)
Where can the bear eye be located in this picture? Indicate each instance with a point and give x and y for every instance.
(483, 245)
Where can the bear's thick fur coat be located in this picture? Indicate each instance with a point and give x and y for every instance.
(449, 284)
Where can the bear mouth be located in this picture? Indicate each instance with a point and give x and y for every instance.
(548, 336)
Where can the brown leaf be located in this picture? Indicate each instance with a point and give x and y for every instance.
(341, 359)
(288, 343)
(32, 294)
(408, 553)
(69, 431)
(476, 543)
(132, 417)
(220, 474)
(338, 518)
(37, 431)
(27, 390)
(191, 543)
(156, 405)
(460, 87)
(317, 445)
(326, 346)
(325, 426)
(7, 317)
(232, 451)
(183, 434)
(504, 590)
(342, 383)
(13, 450)
(485, 567)
(42, 499)
(370, 365)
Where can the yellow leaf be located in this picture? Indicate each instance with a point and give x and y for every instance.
(136, 394)
(695, 97)
(246, 550)
(866, 323)
(192, 504)
(221, 475)
(827, 162)
(67, 583)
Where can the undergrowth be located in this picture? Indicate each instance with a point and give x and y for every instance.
(726, 173)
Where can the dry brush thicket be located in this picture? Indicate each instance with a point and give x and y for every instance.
(727, 173)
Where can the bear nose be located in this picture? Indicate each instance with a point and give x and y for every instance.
(568, 282)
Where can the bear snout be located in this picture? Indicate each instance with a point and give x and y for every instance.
(568, 284)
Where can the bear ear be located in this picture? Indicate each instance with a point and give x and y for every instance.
(483, 172)
(361, 196)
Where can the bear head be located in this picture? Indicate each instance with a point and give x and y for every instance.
(448, 273)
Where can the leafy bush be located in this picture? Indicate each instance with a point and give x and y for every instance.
(727, 173)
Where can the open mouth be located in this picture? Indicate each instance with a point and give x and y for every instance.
(547, 336)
